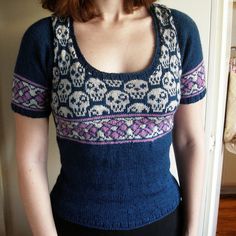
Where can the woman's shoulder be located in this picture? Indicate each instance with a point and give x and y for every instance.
(40, 29)
(184, 23)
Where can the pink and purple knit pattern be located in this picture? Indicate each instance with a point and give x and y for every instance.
(115, 129)
(193, 82)
(29, 95)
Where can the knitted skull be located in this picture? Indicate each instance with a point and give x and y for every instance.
(138, 108)
(78, 102)
(72, 49)
(98, 110)
(136, 88)
(158, 98)
(56, 48)
(162, 16)
(117, 100)
(155, 78)
(55, 101)
(56, 76)
(174, 65)
(96, 89)
(170, 38)
(64, 90)
(169, 83)
(77, 74)
(62, 34)
(165, 57)
(171, 107)
(64, 62)
(65, 112)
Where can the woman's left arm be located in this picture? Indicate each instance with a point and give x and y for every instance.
(188, 144)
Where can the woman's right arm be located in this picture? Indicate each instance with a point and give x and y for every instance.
(31, 157)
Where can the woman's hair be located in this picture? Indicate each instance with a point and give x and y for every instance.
(84, 10)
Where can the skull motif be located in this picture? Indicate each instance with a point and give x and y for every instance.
(98, 110)
(72, 49)
(77, 73)
(138, 108)
(169, 83)
(55, 101)
(64, 62)
(56, 48)
(113, 82)
(64, 90)
(78, 102)
(136, 88)
(62, 33)
(65, 112)
(155, 78)
(158, 98)
(117, 100)
(165, 56)
(170, 38)
(96, 89)
(171, 107)
(162, 16)
(174, 66)
(56, 76)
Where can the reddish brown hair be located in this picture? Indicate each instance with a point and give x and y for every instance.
(84, 10)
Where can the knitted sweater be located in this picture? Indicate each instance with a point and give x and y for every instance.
(113, 130)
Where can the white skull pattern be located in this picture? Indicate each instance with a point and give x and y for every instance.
(65, 112)
(62, 33)
(64, 62)
(162, 16)
(64, 90)
(117, 100)
(170, 39)
(98, 110)
(171, 107)
(169, 83)
(55, 101)
(165, 56)
(136, 88)
(174, 66)
(95, 88)
(79, 102)
(158, 98)
(138, 108)
(155, 78)
(72, 49)
(56, 76)
(77, 73)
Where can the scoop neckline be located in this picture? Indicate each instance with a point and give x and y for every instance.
(122, 75)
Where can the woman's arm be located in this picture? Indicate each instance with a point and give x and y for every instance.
(188, 144)
(31, 155)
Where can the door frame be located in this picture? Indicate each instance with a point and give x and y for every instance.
(218, 69)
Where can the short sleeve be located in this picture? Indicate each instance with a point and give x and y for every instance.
(31, 81)
(193, 78)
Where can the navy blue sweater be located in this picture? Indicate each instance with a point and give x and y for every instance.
(114, 130)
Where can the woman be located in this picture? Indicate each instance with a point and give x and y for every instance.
(122, 79)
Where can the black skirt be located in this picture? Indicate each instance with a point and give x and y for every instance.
(170, 225)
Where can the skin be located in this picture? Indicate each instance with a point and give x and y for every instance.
(189, 146)
(118, 34)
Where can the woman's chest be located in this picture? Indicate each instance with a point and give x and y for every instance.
(118, 49)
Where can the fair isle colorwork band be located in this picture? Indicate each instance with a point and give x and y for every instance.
(114, 130)
(29, 95)
(193, 82)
